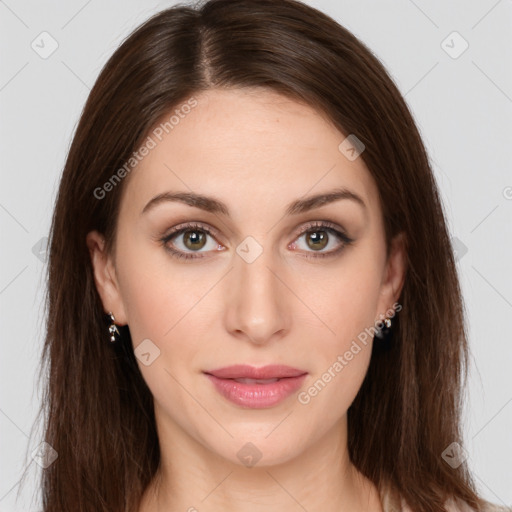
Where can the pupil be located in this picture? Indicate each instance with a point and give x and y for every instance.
(319, 239)
(192, 238)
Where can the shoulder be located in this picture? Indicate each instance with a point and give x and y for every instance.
(393, 502)
(459, 506)
(492, 507)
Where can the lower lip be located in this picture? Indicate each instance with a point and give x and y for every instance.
(257, 396)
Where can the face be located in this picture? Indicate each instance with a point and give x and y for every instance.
(254, 275)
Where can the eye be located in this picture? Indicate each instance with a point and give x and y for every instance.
(320, 235)
(190, 240)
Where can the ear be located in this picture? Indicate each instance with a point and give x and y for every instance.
(394, 276)
(105, 277)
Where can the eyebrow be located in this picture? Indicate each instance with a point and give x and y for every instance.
(212, 205)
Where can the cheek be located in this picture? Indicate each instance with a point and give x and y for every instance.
(169, 307)
(162, 306)
(157, 295)
(149, 302)
(341, 360)
(346, 302)
(329, 394)
(345, 297)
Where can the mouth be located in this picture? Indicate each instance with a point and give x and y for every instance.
(243, 371)
(256, 388)
(257, 381)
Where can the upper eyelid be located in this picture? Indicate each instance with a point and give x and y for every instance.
(191, 226)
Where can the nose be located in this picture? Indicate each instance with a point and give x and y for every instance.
(257, 304)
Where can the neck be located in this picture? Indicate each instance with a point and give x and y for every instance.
(192, 478)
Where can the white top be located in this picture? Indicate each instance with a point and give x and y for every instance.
(392, 502)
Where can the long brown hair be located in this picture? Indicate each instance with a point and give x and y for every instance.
(98, 411)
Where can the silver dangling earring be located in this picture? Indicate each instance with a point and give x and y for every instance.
(383, 332)
(113, 330)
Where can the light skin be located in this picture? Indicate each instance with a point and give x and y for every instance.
(257, 152)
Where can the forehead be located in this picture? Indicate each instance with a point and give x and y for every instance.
(240, 145)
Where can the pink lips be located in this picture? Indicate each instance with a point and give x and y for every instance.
(256, 388)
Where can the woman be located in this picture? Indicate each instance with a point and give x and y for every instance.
(253, 303)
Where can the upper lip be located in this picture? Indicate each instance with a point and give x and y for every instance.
(241, 371)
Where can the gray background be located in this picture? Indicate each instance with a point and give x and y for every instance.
(463, 107)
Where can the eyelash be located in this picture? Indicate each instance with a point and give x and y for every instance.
(327, 226)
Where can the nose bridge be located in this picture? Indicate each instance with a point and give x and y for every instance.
(257, 305)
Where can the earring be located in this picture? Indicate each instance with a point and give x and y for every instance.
(384, 332)
(113, 330)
